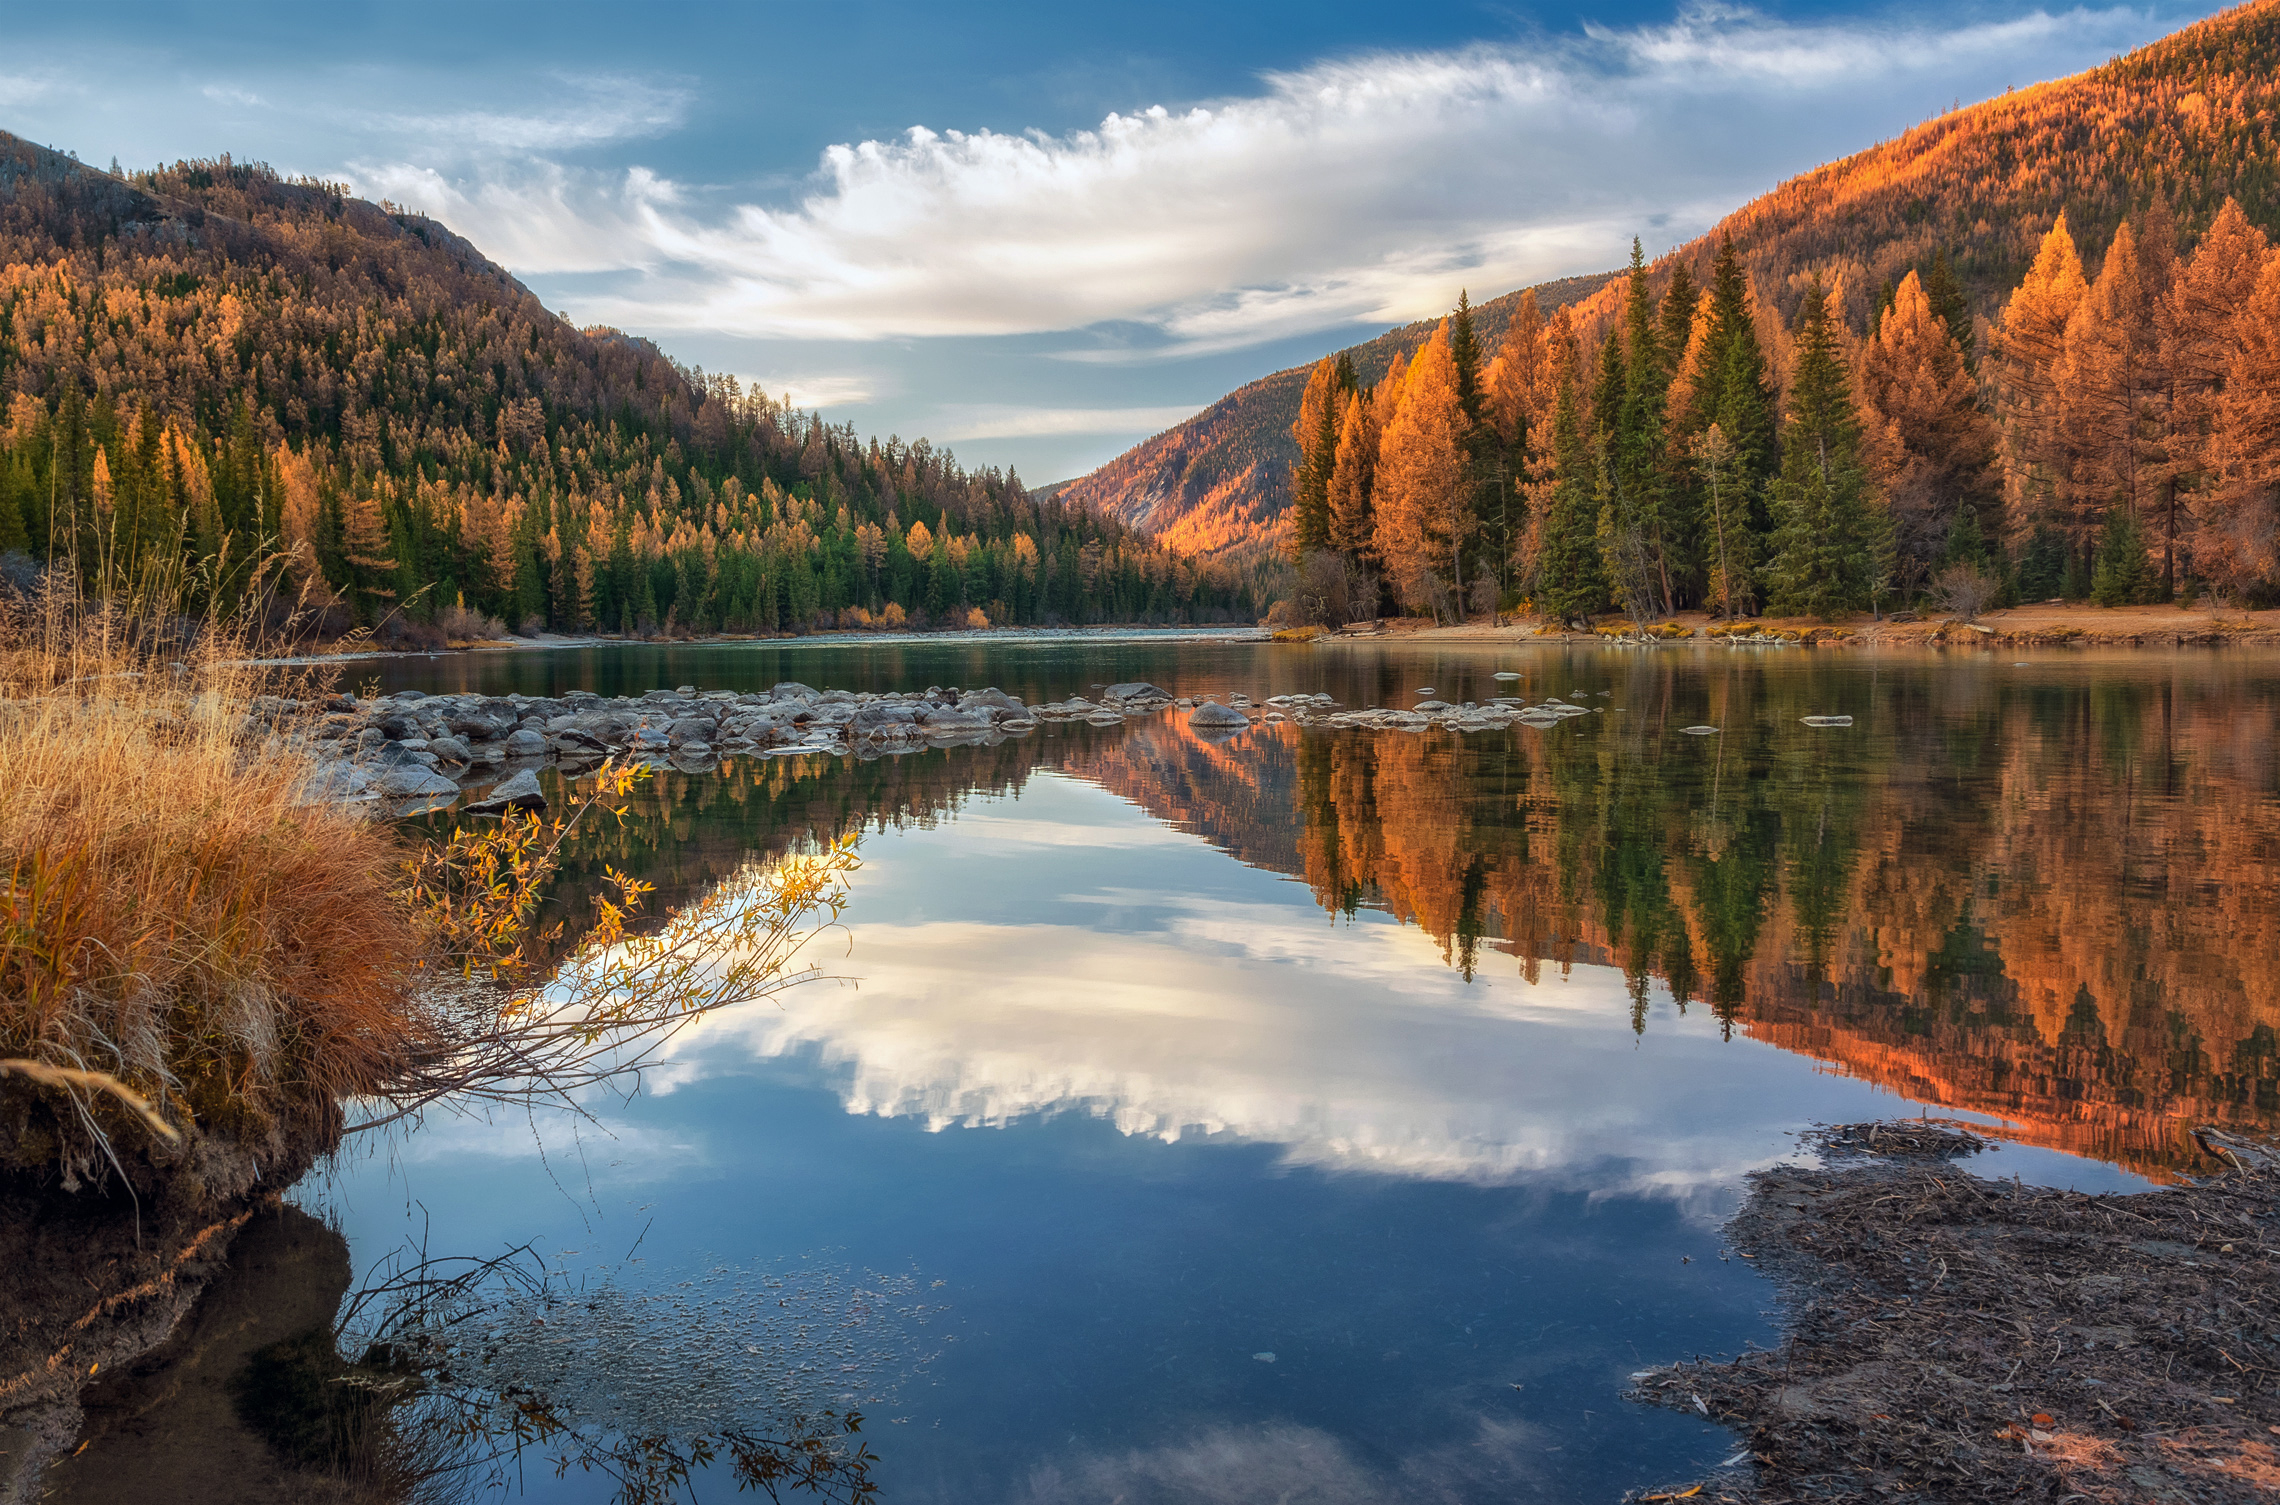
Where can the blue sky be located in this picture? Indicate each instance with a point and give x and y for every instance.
(1036, 233)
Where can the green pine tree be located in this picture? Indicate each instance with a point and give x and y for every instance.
(1569, 583)
(1737, 393)
(2123, 576)
(1642, 498)
(2042, 565)
(1827, 526)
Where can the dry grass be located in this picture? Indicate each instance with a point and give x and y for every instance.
(172, 914)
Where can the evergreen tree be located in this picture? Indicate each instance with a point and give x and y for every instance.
(1736, 391)
(1570, 584)
(1827, 532)
(2123, 576)
(1464, 353)
(2043, 565)
(1728, 591)
(1641, 497)
(1316, 432)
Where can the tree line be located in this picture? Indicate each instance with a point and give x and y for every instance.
(306, 380)
(2113, 438)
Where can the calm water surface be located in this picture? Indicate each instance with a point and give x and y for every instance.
(1342, 1116)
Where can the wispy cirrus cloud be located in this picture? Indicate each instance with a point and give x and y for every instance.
(1013, 421)
(1359, 189)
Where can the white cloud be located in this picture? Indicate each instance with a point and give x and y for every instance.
(816, 392)
(1010, 421)
(1360, 189)
(583, 110)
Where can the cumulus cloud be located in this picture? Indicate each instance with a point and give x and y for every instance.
(1360, 189)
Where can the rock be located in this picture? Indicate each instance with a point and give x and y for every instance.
(1828, 720)
(396, 728)
(1134, 690)
(689, 729)
(408, 781)
(694, 751)
(686, 690)
(525, 743)
(1698, 731)
(519, 792)
(448, 749)
(790, 689)
(1212, 713)
(1430, 706)
(336, 781)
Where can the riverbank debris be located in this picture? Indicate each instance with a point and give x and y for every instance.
(1957, 1338)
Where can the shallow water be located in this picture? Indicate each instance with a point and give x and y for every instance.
(1343, 1116)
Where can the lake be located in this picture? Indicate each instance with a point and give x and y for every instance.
(1341, 1116)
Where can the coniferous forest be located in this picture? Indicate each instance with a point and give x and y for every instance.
(215, 373)
(2113, 437)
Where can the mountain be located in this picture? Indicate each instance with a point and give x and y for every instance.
(2191, 119)
(208, 362)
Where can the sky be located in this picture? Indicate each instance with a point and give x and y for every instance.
(1035, 234)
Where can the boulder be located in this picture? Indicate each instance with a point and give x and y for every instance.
(1134, 690)
(519, 792)
(1212, 713)
(525, 743)
(689, 729)
(790, 689)
(448, 749)
(407, 781)
(336, 781)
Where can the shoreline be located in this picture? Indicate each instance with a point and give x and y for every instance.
(1952, 1337)
(2039, 626)
(834, 637)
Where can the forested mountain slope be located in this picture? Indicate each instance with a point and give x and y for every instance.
(2192, 120)
(206, 363)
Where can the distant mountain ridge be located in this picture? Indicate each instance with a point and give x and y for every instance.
(2190, 118)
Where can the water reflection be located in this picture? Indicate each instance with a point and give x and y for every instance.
(447, 1379)
(2048, 894)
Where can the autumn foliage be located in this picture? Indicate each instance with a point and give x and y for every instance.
(210, 363)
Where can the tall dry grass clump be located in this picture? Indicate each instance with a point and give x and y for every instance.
(173, 915)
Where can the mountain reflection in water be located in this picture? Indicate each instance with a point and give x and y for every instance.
(2049, 893)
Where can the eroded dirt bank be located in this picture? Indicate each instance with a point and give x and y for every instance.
(1957, 1338)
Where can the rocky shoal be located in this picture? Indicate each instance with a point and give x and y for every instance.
(411, 746)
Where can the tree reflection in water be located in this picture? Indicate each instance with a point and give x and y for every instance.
(2050, 896)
